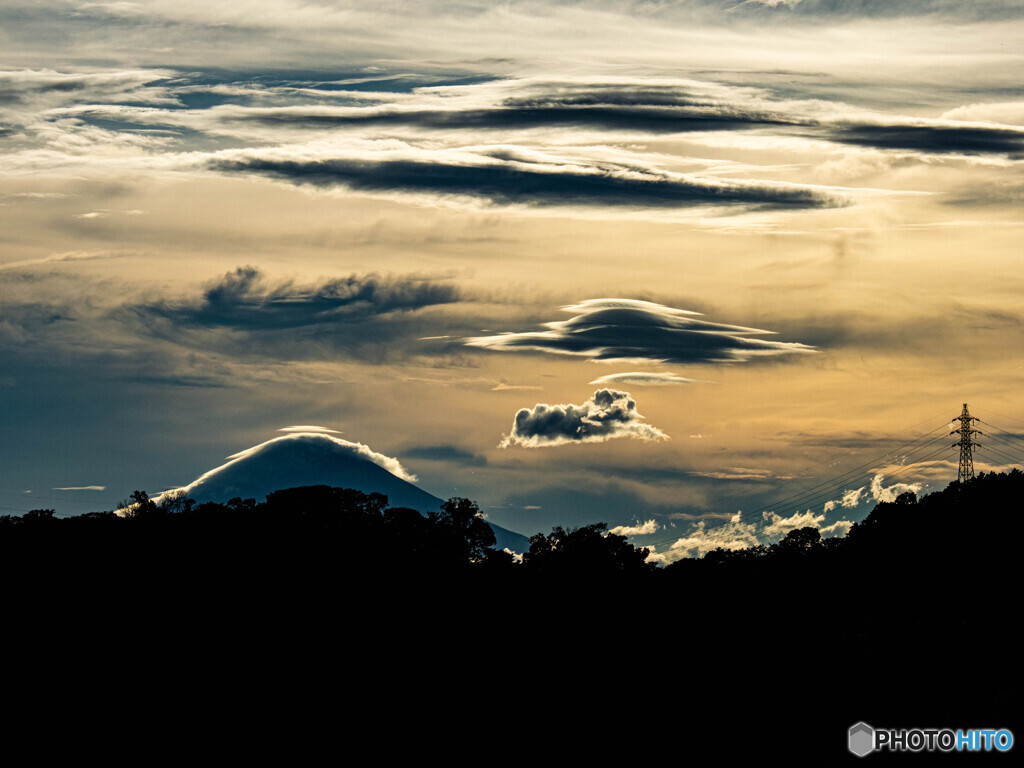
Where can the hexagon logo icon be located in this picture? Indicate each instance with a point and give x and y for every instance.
(862, 739)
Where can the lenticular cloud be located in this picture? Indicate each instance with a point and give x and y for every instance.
(629, 330)
(607, 415)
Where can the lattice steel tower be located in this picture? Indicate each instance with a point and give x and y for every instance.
(966, 444)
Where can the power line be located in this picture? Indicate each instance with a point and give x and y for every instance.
(986, 409)
(1010, 459)
(840, 480)
(927, 441)
(898, 474)
(1001, 436)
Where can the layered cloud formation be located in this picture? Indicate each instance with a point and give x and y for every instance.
(244, 298)
(640, 377)
(318, 436)
(532, 143)
(508, 181)
(524, 154)
(605, 416)
(627, 330)
(356, 315)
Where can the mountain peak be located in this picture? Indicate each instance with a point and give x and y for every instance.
(309, 458)
(314, 457)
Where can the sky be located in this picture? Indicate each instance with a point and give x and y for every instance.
(703, 271)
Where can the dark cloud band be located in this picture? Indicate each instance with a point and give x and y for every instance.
(244, 299)
(370, 317)
(504, 184)
(667, 114)
(932, 139)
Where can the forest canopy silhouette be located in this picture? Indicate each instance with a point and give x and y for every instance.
(918, 587)
(966, 528)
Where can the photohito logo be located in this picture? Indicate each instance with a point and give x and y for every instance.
(863, 739)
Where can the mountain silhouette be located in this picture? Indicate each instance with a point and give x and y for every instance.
(316, 458)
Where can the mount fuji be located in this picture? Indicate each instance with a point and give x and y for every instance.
(311, 456)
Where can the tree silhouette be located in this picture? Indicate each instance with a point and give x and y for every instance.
(140, 506)
(589, 550)
(800, 541)
(472, 536)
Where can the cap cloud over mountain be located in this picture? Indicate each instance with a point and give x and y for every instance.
(317, 458)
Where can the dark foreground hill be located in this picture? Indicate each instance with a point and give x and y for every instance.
(909, 621)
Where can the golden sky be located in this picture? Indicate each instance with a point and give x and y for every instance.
(782, 238)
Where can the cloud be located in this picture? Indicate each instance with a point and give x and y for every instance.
(447, 453)
(642, 379)
(701, 539)
(736, 534)
(669, 106)
(651, 526)
(849, 500)
(881, 492)
(952, 10)
(504, 386)
(776, 526)
(837, 530)
(565, 143)
(358, 450)
(500, 181)
(607, 415)
(39, 89)
(82, 488)
(1011, 112)
(770, 3)
(364, 316)
(62, 257)
(630, 330)
(244, 298)
(738, 473)
(933, 137)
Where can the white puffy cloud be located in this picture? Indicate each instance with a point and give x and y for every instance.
(881, 492)
(838, 529)
(777, 526)
(849, 499)
(735, 534)
(607, 415)
(651, 526)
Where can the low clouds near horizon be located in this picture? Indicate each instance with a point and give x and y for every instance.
(738, 533)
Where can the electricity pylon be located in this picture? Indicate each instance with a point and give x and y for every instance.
(966, 444)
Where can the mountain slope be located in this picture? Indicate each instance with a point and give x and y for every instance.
(316, 458)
